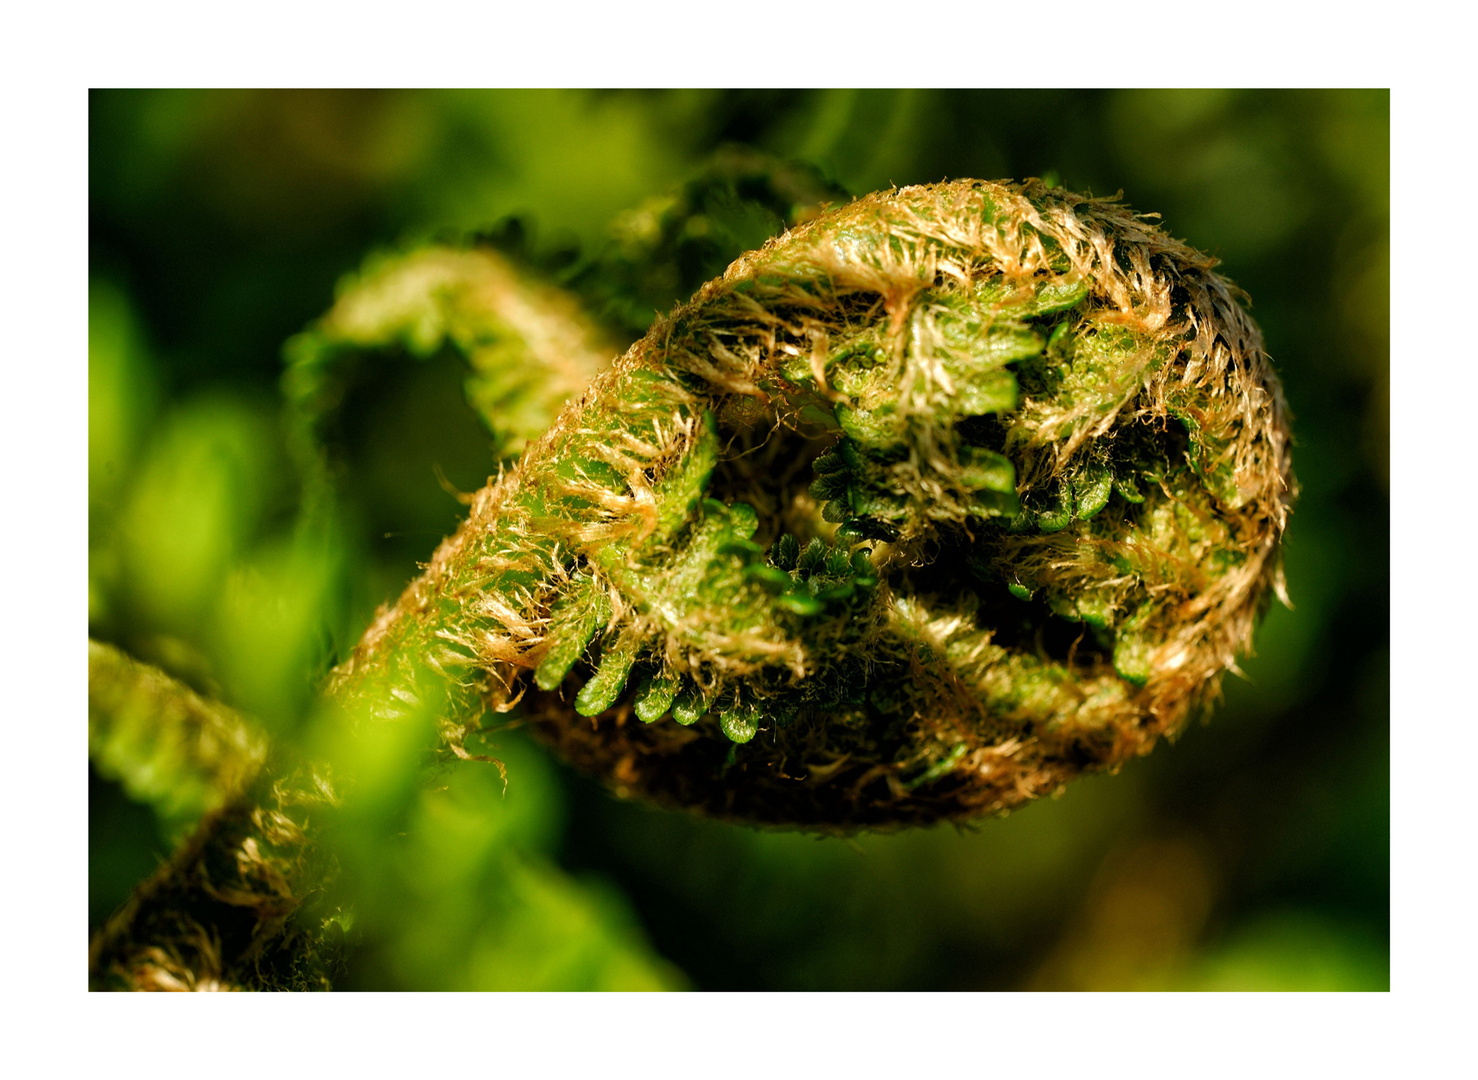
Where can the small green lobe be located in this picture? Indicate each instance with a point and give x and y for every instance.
(605, 686)
(787, 551)
(992, 392)
(799, 603)
(770, 578)
(573, 622)
(812, 558)
(1058, 296)
(686, 481)
(1132, 659)
(880, 429)
(985, 470)
(1059, 516)
(1127, 489)
(1091, 491)
(654, 697)
(689, 707)
(740, 723)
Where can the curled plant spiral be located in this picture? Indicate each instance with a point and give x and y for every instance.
(926, 507)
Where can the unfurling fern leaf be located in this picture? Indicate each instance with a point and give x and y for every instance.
(919, 511)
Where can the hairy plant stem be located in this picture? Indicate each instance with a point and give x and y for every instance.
(216, 915)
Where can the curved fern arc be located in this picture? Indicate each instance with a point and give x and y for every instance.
(920, 510)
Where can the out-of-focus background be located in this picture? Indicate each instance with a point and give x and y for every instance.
(1251, 854)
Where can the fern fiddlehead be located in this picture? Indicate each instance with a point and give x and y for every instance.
(919, 511)
(916, 513)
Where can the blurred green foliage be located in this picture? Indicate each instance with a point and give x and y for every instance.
(1254, 853)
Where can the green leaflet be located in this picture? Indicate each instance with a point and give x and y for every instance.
(1132, 654)
(1020, 591)
(1057, 296)
(716, 571)
(574, 620)
(655, 696)
(1208, 455)
(740, 721)
(974, 354)
(855, 483)
(684, 484)
(1091, 489)
(1056, 514)
(879, 430)
(690, 706)
(605, 686)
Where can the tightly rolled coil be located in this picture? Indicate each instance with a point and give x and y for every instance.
(923, 509)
